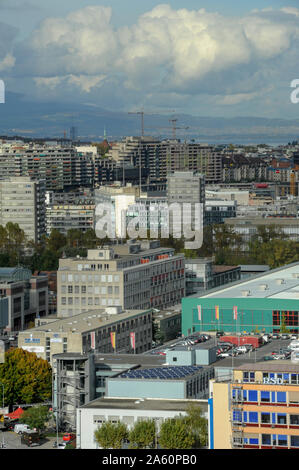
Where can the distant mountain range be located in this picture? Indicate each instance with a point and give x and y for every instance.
(51, 119)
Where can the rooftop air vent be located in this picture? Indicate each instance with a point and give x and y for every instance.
(280, 281)
(245, 293)
(264, 287)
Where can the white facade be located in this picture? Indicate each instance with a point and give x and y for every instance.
(129, 411)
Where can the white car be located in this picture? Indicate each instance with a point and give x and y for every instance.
(61, 445)
(20, 428)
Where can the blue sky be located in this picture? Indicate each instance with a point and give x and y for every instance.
(224, 60)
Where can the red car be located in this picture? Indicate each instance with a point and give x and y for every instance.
(68, 436)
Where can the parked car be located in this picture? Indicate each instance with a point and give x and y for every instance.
(249, 347)
(30, 438)
(242, 349)
(275, 336)
(68, 436)
(268, 358)
(285, 336)
(224, 354)
(61, 445)
(293, 336)
(279, 356)
(20, 428)
(219, 333)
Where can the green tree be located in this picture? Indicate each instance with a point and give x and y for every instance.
(143, 435)
(111, 435)
(56, 241)
(283, 325)
(198, 424)
(36, 417)
(26, 378)
(175, 433)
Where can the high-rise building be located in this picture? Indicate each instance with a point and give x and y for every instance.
(187, 189)
(22, 201)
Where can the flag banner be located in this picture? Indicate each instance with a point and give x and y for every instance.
(93, 340)
(235, 310)
(217, 312)
(112, 337)
(132, 338)
(199, 312)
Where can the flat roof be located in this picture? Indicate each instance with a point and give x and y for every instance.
(86, 321)
(269, 366)
(143, 404)
(280, 283)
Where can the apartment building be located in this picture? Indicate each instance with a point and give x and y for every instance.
(60, 167)
(160, 157)
(187, 189)
(135, 275)
(257, 409)
(70, 217)
(22, 201)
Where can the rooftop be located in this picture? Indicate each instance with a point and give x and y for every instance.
(280, 283)
(86, 321)
(144, 404)
(161, 373)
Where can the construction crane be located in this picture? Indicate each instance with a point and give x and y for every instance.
(175, 128)
(141, 113)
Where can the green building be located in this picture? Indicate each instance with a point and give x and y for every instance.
(266, 303)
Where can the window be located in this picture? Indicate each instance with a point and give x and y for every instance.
(281, 397)
(252, 395)
(253, 417)
(265, 397)
(294, 441)
(294, 420)
(266, 439)
(265, 418)
(281, 418)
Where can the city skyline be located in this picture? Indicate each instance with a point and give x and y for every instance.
(200, 58)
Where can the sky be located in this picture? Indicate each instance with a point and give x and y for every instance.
(207, 58)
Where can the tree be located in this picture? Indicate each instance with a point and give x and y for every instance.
(26, 378)
(197, 424)
(143, 435)
(56, 241)
(111, 435)
(175, 433)
(36, 417)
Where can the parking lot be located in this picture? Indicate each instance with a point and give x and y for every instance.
(252, 356)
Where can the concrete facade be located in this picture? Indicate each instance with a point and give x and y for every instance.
(135, 276)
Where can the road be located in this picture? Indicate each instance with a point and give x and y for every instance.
(13, 441)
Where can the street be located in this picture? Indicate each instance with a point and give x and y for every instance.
(13, 441)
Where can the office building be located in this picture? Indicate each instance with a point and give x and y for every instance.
(202, 274)
(137, 275)
(257, 409)
(90, 331)
(27, 296)
(127, 411)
